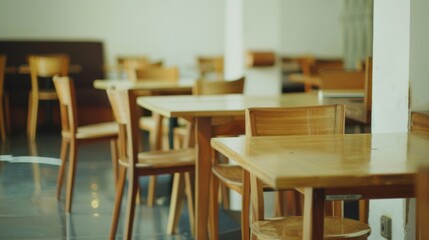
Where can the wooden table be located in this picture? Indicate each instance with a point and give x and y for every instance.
(153, 87)
(347, 166)
(305, 79)
(203, 109)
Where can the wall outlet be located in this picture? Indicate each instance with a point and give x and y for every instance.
(386, 227)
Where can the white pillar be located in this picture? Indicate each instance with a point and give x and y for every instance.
(252, 25)
(390, 94)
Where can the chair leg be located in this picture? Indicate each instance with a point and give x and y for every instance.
(213, 208)
(7, 112)
(363, 210)
(118, 201)
(63, 157)
(114, 153)
(176, 202)
(70, 177)
(131, 205)
(224, 191)
(189, 189)
(151, 191)
(245, 211)
(29, 114)
(32, 124)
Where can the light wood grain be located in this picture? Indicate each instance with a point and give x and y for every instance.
(348, 162)
(331, 160)
(203, 109)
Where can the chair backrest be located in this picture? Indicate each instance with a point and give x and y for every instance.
(2, 71)
(312, 120)
(132, 66)
(47, 66)
(65, 89)
(122, 59)
(324, 119)
(206, 87)
(158, 73)
(342, 79)
(124, 107)
(210, 64)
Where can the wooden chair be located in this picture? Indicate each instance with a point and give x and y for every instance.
(134, 66)
(158, 73)
(138, 58)
(43, 66)
(206, 87)
(293, 121)
(208, 65)
(4, 106)
(73, 135)
(148, 123)
(342, 80)
(139, 164)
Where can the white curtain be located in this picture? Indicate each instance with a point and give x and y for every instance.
(357, 31)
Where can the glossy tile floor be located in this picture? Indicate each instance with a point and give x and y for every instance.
(29, 209)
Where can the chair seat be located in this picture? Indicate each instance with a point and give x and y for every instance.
(165, 159)
(98, 130)
(230, 175)
(291, 228)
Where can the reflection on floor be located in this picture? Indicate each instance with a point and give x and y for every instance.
(29, 209)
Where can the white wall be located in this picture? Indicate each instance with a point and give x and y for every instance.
(312, 26)
(175, 31)
(262, 28)
(419, 70)
(390, 94)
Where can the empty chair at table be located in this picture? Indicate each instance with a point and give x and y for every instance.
(340, 79)
(315, 120)
(133, 163)
(73, 135)
(43, 66)
(134, 66)
(210, 67)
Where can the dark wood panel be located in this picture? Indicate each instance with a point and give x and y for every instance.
(87, 55)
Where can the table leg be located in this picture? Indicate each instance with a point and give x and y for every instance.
(172, 124)
(314, 213)
(202, 172)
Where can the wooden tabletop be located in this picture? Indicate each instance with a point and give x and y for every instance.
(305, 79)
(331, 160)
(234, 105)
(222, 105)
(182, 86)
(378, 165)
